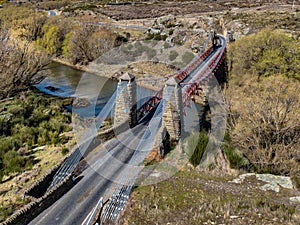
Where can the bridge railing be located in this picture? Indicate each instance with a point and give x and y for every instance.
(181, 75)
(207, 73)
(121, 194)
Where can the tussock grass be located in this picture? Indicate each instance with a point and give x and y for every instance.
(193, 198)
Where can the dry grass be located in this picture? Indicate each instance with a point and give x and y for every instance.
(149, 69)
(194, 198)
(285, 19)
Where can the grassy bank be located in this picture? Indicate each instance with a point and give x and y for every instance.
(197, 198)
(34, 136)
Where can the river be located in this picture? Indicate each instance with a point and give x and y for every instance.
(65, 81)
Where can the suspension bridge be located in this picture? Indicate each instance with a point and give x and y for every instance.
(123, 156)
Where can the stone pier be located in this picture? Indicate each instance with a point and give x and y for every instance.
(214, 39)
(126, 107)
(173, 117)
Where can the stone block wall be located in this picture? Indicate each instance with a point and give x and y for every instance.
(31, 210)
(126, 106)
(39, 187)
(173, 116)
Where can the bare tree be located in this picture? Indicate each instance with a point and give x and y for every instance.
(79, 50)
(32, 26)
(88, 43)
(265, 124)
(21, 64)
(100, 42)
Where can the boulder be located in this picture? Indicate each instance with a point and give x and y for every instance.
(273, 182)
(80, 103)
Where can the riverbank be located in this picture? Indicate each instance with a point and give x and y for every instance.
(66, 63)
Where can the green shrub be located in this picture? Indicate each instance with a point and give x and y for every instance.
(149, 36)
(296, 180)
(1, 175)
(13, 162)
(266, 53)
(166, 45)
(5, 212)
(16, 110)
(173, 55)
(157, 37)
(187, 57)
(50, 40)
(65, 44)
(35, 120)
(120, 40)
(54, 137)
(9, 143)
(64, 151)
(150, 53)
(170, 25)
(236, 158)
(195, 146)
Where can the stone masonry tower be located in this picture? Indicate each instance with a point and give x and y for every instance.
(173, 116)
(125, 109)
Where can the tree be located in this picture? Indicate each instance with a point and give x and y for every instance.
(21, 64)
(50, 40)
(100, 42)
(266, 125)
(78, 45)
(24, 20)
(266, 53)
(87, 43)
(32, 26)
(65, 45)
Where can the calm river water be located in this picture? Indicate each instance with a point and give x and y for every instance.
(64, 81)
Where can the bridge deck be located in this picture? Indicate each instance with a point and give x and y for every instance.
(76, 204)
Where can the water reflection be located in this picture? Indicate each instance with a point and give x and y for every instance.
(63, 81)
